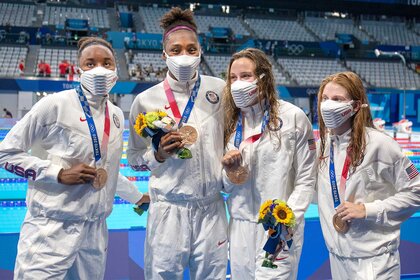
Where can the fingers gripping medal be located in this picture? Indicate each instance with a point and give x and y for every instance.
(240, 175)
(100, 179)
(189, 134)
(101, 174)
(340, 225)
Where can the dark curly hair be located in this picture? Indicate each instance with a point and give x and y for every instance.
(177, 17)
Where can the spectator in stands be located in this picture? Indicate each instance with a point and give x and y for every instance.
(71, 71)
(48, 39)
(187, 218)
(41, 68)
(7, 114)
(8, 27)
(21, 67)
(134, 40)
(279, 137)
(38, 36)
(47, 69)
(64, 234)
(63, 68)
(130, 56)
(379, 187)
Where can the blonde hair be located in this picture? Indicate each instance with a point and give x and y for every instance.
(266, 87)
(362, 119)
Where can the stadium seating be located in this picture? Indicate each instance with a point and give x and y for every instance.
(145, 59)
(385, 74)
(326, 29)
(218, 64)
(310, 72)
(279, 29)
(151, 17)
(16, 14)
(9, 60)
(57, 15)
(204, 22)
(391, 33)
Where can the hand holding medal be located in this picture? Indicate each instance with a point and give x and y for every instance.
(236, 173)
(345, 213)
(166, 140)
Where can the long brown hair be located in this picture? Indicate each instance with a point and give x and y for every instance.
(359, 121)
(266, 88)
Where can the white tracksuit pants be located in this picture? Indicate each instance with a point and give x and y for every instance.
(246, 259)
(381, 267)
(186, 235)
(52, 249)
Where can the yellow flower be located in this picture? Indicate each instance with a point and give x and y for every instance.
(283, 214)
(265, 207)
(161, 114)
(140, 124)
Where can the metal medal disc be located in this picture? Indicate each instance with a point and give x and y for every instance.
(100, 179)
(189, 134)
(239, 175)
(340, 225)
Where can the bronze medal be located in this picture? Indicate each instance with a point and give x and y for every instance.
(100, 179)
(239, 175)
(340, 225)
(189, 134)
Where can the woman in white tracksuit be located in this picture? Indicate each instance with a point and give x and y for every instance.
(280, 164)
(187, 223)
(64, 234)
(368, 189)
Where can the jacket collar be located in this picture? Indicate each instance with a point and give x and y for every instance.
(181, 87)
(95, 101)
(343, 138)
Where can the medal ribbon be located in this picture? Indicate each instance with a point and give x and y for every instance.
(92, 128)
(253, 138)
(344, 173)
(174, 106)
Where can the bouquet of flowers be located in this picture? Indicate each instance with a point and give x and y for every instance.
(278, 219)
(155, 125)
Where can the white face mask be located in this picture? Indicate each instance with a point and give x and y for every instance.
(99, 80)
(335, 113)
(183, 67)
(244, 93)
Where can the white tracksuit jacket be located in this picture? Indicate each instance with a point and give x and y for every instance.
(56, 132)
(282, 171)
(382, 183)
(187, 223)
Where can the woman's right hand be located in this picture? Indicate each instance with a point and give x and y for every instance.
(232, 159)
(78, 174)
(169, 144)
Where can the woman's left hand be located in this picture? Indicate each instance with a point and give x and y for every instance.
(348, 211)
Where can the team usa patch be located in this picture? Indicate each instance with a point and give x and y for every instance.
(311, 144)
(116, 121)
(412, 171)
(212, 97)
(20, 171)
(279, 126)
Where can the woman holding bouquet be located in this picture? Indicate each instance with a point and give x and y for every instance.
(270, 154)
(187, 224)
(366, 186)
